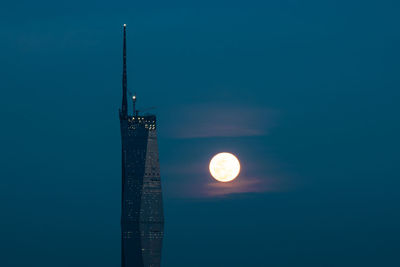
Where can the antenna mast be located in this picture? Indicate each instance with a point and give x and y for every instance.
(134, 104)
(124, 81)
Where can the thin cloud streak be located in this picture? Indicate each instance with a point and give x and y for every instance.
(203, 186)
(240, 186)
(205, 121)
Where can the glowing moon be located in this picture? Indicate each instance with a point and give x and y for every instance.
(224, 167)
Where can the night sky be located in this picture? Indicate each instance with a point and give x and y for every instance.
(305, 93)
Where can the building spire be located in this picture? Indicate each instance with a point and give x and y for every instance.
(124, 111)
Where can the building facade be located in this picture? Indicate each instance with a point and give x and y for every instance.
(142, 219)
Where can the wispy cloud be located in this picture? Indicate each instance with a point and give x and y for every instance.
(207, 188)
(240, 186)
(212, 120)
(193, 181)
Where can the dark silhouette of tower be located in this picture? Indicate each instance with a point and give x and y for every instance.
(142, 219)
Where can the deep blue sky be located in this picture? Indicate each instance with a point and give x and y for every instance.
(305, 93)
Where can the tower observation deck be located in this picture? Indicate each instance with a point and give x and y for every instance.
(142, 218)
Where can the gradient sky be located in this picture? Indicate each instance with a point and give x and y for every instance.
(305, 93)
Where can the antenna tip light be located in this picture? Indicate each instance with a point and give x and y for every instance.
(124, 25)
(134, 97)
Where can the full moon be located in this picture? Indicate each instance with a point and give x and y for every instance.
(224, 167)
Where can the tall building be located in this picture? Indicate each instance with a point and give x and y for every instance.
(142, 218)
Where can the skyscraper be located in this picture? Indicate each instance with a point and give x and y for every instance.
(142, 218)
